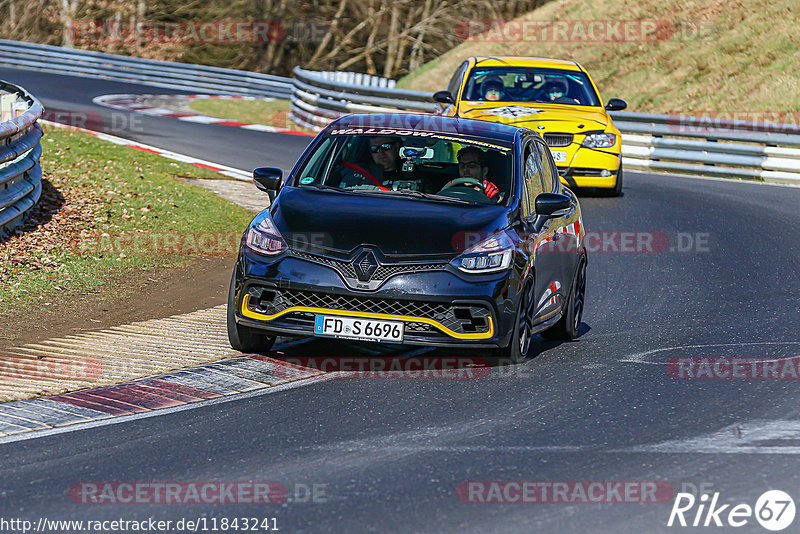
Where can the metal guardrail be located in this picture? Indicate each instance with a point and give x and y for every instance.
(320, 97)
(20, 172)
(673, 143)
(685, 144)
(710, 146)
(184, 76)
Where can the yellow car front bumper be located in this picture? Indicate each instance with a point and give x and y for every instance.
(583, 167)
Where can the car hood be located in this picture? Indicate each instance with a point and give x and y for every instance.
(539, 117)
(321, 221)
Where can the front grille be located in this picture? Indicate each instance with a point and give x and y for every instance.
(461, 318)
(558, 139)
(383, 271)
(430, 310)
(344, 267)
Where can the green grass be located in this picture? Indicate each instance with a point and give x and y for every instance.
(270, 113)
(107, 189)
(713, 56)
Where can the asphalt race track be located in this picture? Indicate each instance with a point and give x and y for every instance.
(391, 453)
(70, 98)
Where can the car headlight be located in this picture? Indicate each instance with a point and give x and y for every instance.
(490, 255)
(264, 238)
(599, 140)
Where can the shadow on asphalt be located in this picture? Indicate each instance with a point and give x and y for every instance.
(332, 355)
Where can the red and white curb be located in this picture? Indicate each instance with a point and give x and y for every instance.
(111, 363)
(138, 104)
(186, 386)
(239, 174)
(109, 366)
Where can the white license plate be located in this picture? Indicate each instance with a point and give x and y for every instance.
(357, 328)
(559, 156)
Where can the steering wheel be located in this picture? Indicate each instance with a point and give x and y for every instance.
(465, 181)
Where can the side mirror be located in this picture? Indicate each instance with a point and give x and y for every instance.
(267, 178)
(552, 204)
(443, 97)
(616, 104)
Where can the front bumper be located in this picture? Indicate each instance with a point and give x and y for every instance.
(437, 307)
(584, 166)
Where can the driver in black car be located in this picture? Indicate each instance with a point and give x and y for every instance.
(472, 164)
(382, 171)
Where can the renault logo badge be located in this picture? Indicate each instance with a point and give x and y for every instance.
(365, 265)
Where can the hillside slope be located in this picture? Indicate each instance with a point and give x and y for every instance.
(731, 56)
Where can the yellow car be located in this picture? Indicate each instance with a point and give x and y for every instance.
(556, 98)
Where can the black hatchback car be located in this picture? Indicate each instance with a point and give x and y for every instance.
(413, 229)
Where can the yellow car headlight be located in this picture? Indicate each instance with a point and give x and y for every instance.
(599, 140)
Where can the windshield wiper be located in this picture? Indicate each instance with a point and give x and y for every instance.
(328, 187)
(429, 196)
(407, 192)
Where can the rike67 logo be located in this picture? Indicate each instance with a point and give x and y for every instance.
(774, 510)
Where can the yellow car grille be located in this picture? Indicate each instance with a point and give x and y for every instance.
(558, 139)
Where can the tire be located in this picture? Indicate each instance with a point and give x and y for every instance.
(567, 327)
(617, 189)
(243, 338)
(519, 347)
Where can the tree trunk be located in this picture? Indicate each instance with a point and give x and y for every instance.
(68, 8)
(391, 47)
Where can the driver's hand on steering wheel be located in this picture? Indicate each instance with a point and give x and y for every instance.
(490, 189)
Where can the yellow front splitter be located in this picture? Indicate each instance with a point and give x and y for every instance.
(324, 311)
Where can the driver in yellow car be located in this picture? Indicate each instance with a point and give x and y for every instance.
(556, 91)
(493, 89)
(472, 164)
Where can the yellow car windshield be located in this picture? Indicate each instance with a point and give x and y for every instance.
(527, 84)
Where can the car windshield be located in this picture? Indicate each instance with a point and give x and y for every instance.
(424, 165)
(524, 84)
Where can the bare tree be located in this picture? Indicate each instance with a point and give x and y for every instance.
(68, 8)
(387, 37)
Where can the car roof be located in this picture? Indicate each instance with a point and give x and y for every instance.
(395, 123)
(540, 62)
